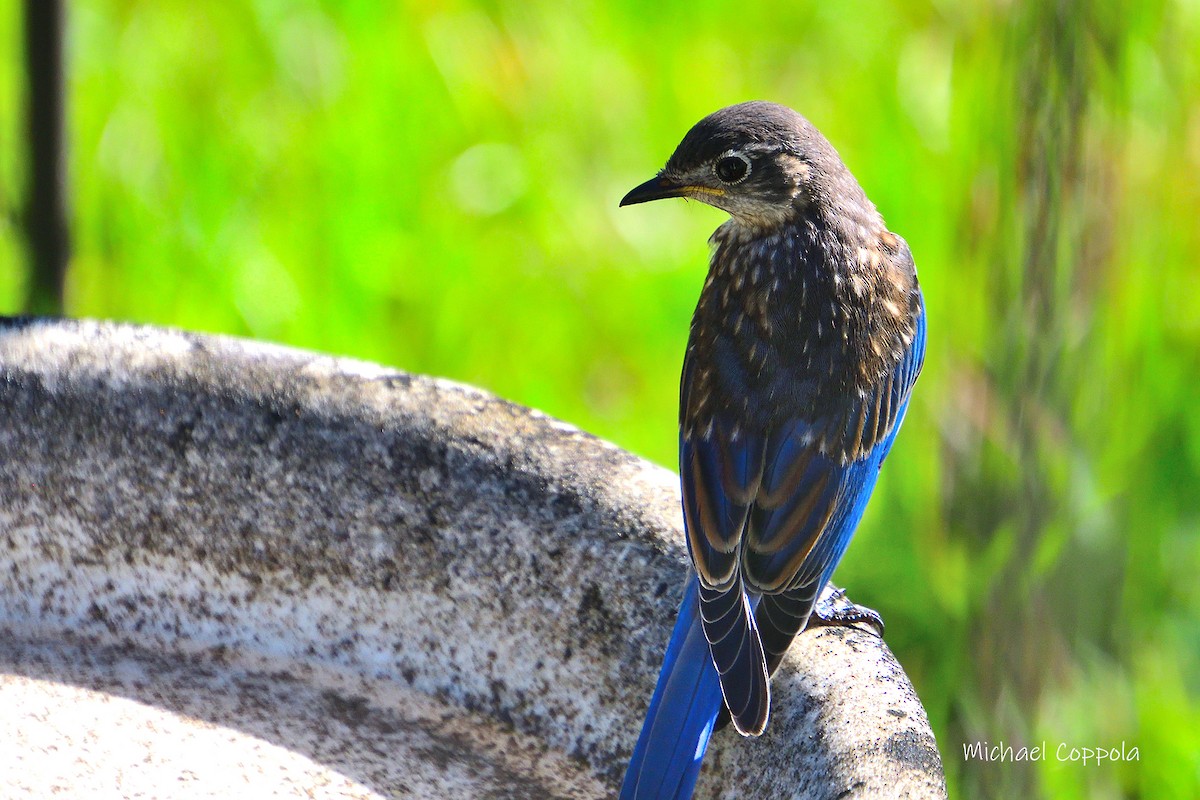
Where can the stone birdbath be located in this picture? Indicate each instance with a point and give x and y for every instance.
(230, 569)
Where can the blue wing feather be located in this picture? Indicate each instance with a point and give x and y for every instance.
(720, 475)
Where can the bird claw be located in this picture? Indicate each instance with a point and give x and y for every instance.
(834, 608)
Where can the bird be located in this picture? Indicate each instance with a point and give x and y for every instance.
(804, 348)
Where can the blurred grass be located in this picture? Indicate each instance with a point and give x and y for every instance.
(434, 184)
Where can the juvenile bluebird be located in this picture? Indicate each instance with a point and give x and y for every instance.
(804, 348)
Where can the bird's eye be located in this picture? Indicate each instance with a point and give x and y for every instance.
(732, 168)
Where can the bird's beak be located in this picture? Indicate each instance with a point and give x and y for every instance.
(656, 188)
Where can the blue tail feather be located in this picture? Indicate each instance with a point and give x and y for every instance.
(666, 761)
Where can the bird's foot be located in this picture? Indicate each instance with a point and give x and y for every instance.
(834, 608)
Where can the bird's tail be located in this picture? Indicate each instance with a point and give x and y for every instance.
(686, 701)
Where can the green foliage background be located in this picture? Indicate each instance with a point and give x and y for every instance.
(434, 185)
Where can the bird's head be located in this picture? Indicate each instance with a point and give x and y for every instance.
(761, 162)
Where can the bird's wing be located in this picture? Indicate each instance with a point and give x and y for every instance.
(719, 475)
(720, 467)
(816, 480)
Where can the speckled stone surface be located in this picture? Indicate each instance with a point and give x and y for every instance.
(231, 568)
